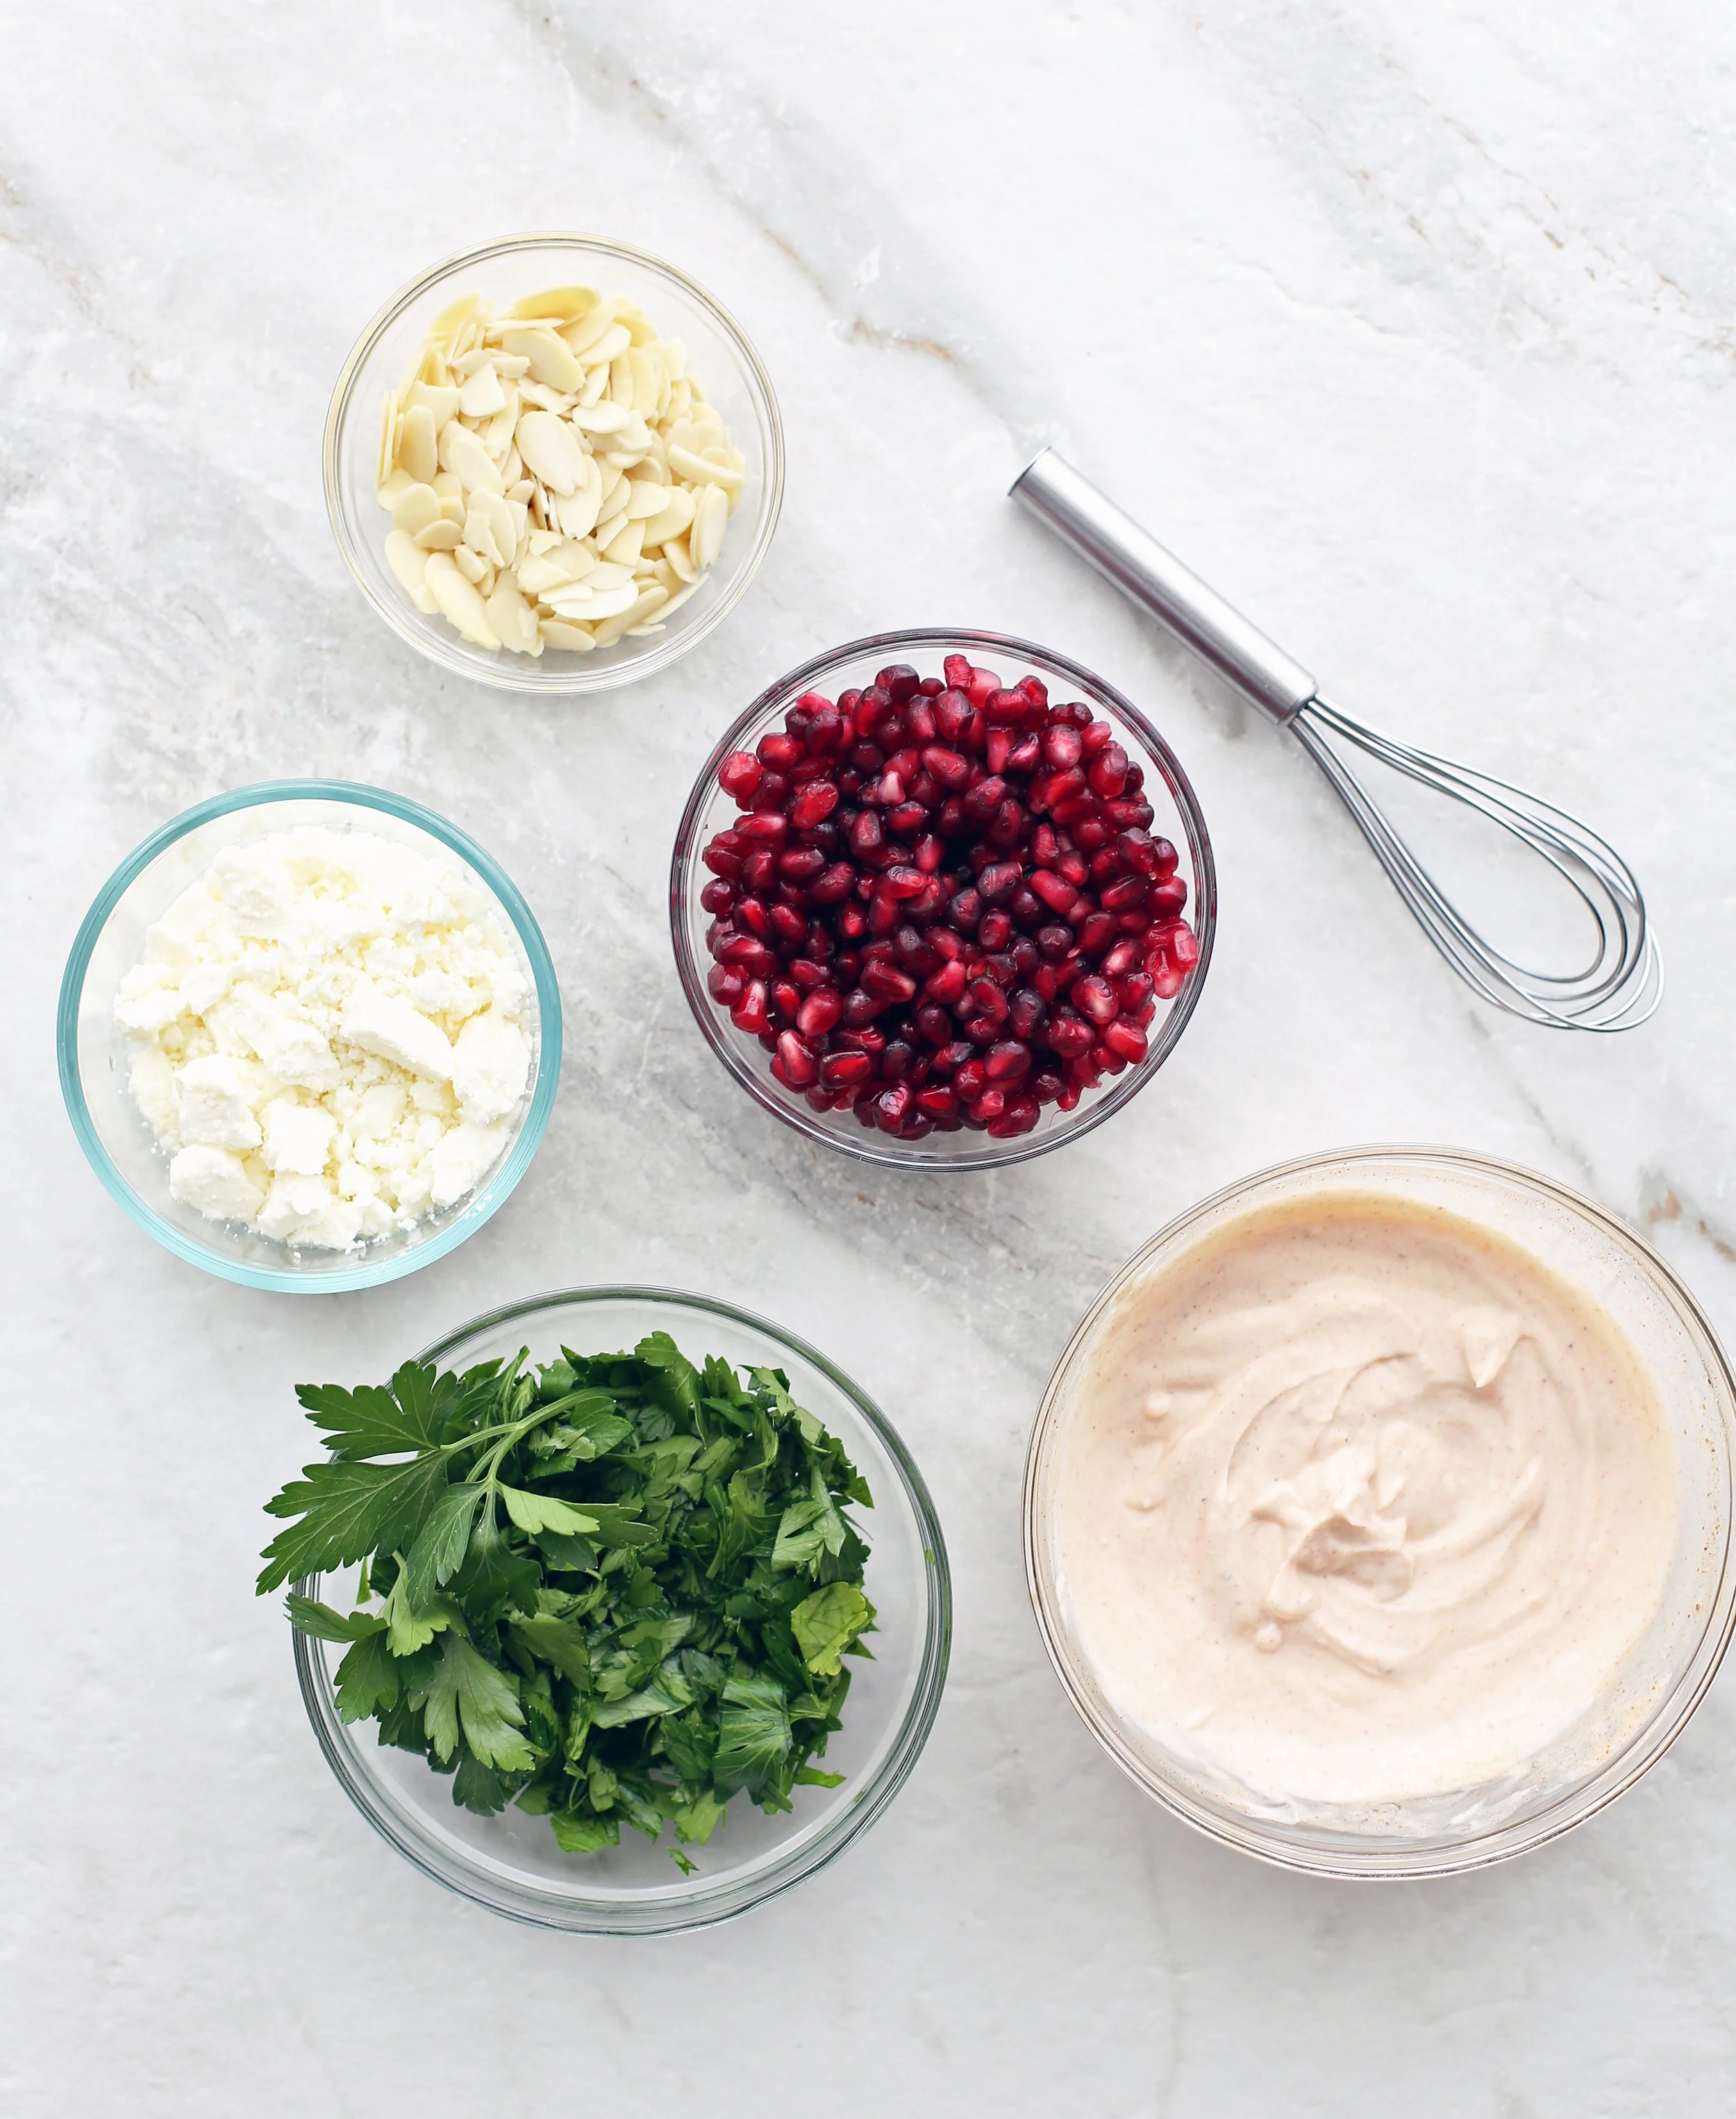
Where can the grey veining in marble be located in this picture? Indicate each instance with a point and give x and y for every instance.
(1414, 330)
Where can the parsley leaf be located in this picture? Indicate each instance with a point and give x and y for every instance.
(614, 1590)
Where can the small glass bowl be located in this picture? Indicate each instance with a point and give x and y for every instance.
(510, 1863)
(853, 666)
(722, 359)
(1657, 1687)
(94, 1055)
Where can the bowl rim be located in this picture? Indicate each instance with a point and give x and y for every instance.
(875, 1147)
(1384, 1861)
(490, 1195)
(685, 1906)
(505, 675)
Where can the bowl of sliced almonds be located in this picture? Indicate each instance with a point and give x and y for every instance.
(554, 464)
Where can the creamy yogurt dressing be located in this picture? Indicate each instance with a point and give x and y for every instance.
(1358, 1502)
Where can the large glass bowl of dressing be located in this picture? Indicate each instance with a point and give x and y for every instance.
(1377, 1516)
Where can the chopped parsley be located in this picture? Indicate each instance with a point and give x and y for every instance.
(614, 1590)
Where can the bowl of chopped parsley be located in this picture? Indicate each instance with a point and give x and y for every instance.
(617, 1610)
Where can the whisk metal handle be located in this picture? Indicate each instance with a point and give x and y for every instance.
(1155, 578)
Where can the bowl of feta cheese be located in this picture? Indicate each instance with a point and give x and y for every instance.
(309, 1036)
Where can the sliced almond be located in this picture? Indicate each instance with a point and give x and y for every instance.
(482, 394)
(591, 329)
(649, 380)
(700, 471)
(675, 552)
(388, 438)
(459, 600)
(491, 530)
(606, 574)
(711, 518)
(395, 487)
(452, 318)
(644, 606)
(559, 633)
(441, 403)
(550, 446)
(621, 378)
(566, 303)
(580, 599)
(600, 419)
(576, 512)
(673, 519)
(675, 358)
(676, 599)
(410, 564)
(624, 547)
(644, 499)
(551, 357)
(474, 567)
(440, 536)
(468, 461)
(418, 446)
(414, 508)
(511, 619)
(614, 342)
(596, 382)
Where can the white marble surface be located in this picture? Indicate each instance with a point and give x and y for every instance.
(1412, 328)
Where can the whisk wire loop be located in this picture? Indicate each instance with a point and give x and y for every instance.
(1621, 985)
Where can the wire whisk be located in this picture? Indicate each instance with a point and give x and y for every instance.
(1622, 983)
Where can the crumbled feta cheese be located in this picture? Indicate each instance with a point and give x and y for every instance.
(217, 1181)
(331, 1034)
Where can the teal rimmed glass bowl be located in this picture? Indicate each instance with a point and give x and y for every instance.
(510, 1862)
(93, 1055)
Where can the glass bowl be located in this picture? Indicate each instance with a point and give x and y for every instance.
(723, 361)
(709, 810)
(510, 1862)
(93, 1055)
(1647, 1704)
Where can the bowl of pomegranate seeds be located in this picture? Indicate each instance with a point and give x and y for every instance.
(943, 898)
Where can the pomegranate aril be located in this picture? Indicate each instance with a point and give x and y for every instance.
(750, 1012)
(725, 983)
(813, 805)
(995, 929)
(957, 670)
(1055, 891)
(739, 775)
(1184, 946)
(844, 1070)
(999, 880)
(1006, 1061)
(1169, 895)
(988, 1106)
(1095, 997)
(764, 827)
(885, 984)
(1097, 933)
(1060, 746)
(947, 984)
(1126, 1042)
(820, 1012)
(893, 1105)
(722, 861)
(1127, 894)
(1027, 1012)
(937, 1104)
(1069, 1034)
